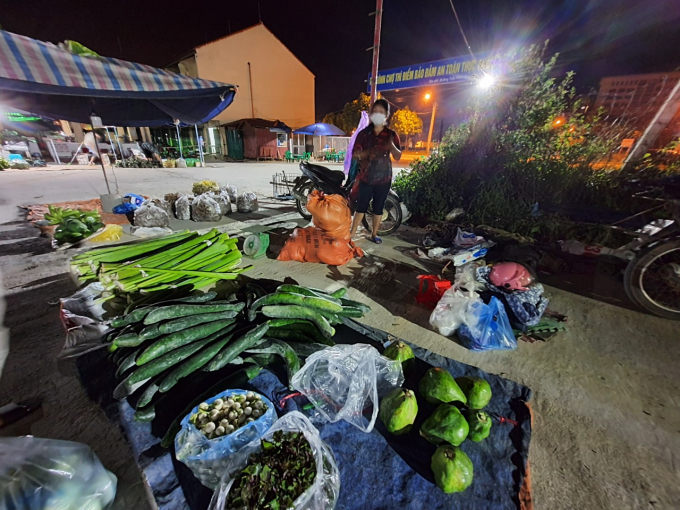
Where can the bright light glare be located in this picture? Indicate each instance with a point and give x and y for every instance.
(427, 96)
(486, 81)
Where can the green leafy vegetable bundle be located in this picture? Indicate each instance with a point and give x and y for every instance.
(73, 224)
(276, 476)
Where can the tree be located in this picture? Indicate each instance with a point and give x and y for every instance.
(331, 118)
(406, 123)
(349, 119)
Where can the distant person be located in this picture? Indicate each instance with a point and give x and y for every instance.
(91, 145)
(372, 149)
(151, 152)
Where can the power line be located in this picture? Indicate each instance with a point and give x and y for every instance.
(461, 30)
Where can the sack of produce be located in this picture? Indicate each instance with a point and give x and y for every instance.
(181, 163)
(311, 483)
(330, 213)
(247, 202)
(171, 199)
(38, 474)
(151, 215)
(183, 207)
(313, 245)
(232, 191)
(451, 311)
(487, 327)
(201, 187)
(204, 208)
(343, 380)
(222, 199)
(219, 427)
(446, 425)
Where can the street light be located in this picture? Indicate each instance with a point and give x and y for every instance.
(486, 81)
(428, 96)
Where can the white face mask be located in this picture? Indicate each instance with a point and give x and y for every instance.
(378, 119)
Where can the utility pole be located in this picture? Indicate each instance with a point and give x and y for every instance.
(376, 50)
(429, 134)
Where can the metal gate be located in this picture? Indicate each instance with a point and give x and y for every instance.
(235, 144)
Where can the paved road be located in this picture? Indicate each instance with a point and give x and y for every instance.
(605, 392)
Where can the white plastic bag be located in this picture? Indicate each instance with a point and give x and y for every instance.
(181, 163)
(207, 458)
(183, 207)
(343, 380)
(232, 191)
(466, 277)
(222, 199)
(150, 214)
(247, 202)
(452, 310)
(323, 493)
(41, 474)
(204, 208)
(467, 239)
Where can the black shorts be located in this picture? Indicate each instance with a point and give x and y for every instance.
(378, 193)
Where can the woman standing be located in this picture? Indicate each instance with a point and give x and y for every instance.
(372, 149)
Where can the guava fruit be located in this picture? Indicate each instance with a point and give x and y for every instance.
(398, 411)
(452, 469)
(479, 423)
(445, 425)
(439, 387)
(399, 351)
(476, 390)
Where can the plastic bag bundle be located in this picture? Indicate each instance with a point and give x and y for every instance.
(330, 213)
(39, 474)
(247, 202)
(452, 310)
(324, 491)
(181, 163)
(343, 380)
(165, 205)
(487, 327)
(150, 214)
(312, 245)
(466, 277)
(205, 208)
(183, 207)
(222, 199)
(207, 458)
(232, 191)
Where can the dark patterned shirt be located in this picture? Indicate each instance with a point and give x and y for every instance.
(377, 168)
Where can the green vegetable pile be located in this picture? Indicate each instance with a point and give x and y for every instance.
(73, 224)
(181, 259)
(224, 416)
(176, 343)
(276, 476)
(447, 427)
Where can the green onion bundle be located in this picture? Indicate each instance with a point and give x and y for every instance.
(181, 259)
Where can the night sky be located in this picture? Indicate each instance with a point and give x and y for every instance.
(595, 37)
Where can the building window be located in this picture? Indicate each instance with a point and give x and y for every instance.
(281, 139)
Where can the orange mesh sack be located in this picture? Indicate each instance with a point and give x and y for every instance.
(330, 213)
(313, 245)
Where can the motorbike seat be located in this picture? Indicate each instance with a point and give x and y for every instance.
(335, 176)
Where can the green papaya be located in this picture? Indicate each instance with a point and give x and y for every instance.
(479, 423)
(476, 390)
(452, 469)
(399, 351)
(445, 425)
(439, 387)
(398, 411)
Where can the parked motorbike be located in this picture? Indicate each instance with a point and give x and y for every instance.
(333, 182)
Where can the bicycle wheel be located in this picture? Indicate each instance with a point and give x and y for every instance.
(302, 204)
(391, 218)
(652, 280)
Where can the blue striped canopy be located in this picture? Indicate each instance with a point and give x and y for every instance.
(52, 82)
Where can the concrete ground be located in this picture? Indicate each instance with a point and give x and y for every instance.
(607, 419)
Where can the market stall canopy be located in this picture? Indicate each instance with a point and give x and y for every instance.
(320, 129)
(53, 82)
(272, 125)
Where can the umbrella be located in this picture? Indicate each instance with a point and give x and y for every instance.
(320, 129)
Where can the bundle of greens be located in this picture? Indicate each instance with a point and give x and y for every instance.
(181, 259)
(73, 224)
(276, 476)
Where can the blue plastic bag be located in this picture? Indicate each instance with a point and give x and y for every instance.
(491, 330)
(135, 200)
(207, 457)
(124, 208)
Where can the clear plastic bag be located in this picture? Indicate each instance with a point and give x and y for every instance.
(232, 191)
(150, 214)
(183, 207)
(323, 493)
(222, 199)
(343, 380)
(40, 474)
(247, 202)
(207, 458)
(204, 208)
(452, 310)
(487, 327)
(466, 277)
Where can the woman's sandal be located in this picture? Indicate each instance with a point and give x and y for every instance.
(376, 240)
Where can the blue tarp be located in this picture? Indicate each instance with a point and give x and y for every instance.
(377, 470)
